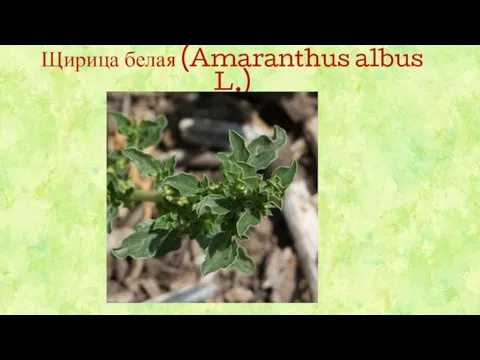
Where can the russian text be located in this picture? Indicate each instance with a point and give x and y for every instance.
(58, 60)
(132, 60)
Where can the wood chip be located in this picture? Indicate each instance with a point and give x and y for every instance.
(168, 140)
(258, 245)
(280, 275)
(151, 287)
(196, 293)
(135, 272)
(113, 286)
(122, 213)
(239, 295)
(300, 106)
(121, 297)
(302, 221)
(153, 267)
(207, 132)
(311, 133)
(197, 253)
(206, 159)
(187, 278)
(121, 269)
(164, 106)
(133, 217)
(110, 265)
(115, 95)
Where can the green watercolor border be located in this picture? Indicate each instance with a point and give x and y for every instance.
(398, 180)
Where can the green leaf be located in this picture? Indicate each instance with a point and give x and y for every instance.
(204, 183)
(231, 176)
(145, 244)
(169, 167)
(123, 123)
(112, 212)
(247, 169)
(246, 221)
(139, 245)
(222, 157)
(144, 226)
(168, 242)
(207, 225)
(286, 174)
(217, 224)
(267, 212)
(162, 223)
(150, 132)
(162, 121)
(186, 184)
(221, 253)
(274, 185)
(217, 204)
(112, 182)
(203, 241)
(211, 225)
(227, 164)
(166, 206)
(243, 262)
(125, 188)
(228, 168)
(132, 137)
(145, 163)
(275, 200)
(239, 149)
(114, 156)
(252, 182)
(264, 150)
(165, 222)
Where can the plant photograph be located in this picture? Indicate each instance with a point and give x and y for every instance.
(212, 197)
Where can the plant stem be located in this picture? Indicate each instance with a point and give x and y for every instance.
(147, 195)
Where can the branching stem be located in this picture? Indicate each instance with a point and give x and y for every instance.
(147, 195)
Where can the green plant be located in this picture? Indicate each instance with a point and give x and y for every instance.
(217, 214)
